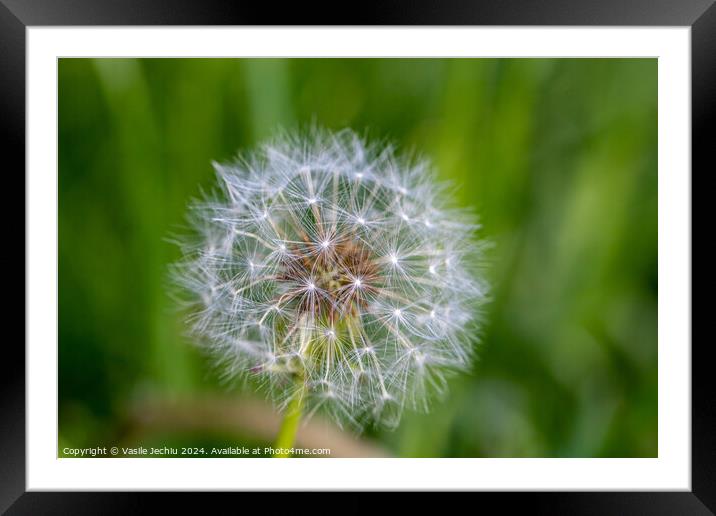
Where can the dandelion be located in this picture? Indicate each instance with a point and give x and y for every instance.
(336, 272)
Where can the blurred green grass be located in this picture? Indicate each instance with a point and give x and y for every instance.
(557, 156)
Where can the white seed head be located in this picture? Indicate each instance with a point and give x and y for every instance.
(289, 282)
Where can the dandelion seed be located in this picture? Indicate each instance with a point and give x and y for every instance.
(330, 312)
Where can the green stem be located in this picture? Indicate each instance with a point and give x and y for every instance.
(289, 425)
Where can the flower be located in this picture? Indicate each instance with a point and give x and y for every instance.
(334, 270)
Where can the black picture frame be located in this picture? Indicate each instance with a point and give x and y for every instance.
(17, 15)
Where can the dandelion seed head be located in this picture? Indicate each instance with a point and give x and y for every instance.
(287, 281)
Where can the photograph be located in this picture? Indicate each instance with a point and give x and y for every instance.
(357, 257)
(436, 249)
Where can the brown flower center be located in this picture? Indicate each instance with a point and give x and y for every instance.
(332, 279)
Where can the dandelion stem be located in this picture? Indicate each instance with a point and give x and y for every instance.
(289, 425)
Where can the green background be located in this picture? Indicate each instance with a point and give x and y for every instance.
(557, 156)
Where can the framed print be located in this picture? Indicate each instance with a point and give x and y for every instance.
(445, 250)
